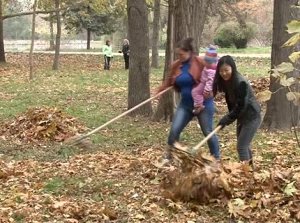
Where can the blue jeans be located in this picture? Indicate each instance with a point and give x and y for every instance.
(245, 133)
(185, 114)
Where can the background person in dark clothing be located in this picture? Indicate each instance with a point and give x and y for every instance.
(241, 103)
(125, 51)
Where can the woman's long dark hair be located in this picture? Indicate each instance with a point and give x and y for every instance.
(218, 85)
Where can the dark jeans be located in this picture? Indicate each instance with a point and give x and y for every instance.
(126, 60)
(106, 62)
(184, 115)
(245, 132)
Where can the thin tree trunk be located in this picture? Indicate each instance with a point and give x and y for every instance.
(52, 46)
(280, 113)
(32, 42)
(165, 107)
(138, 84)
(2, 52)
(58, 34)
(88, 46)
(155, 34)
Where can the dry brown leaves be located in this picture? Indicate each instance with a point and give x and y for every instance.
(260, 84)
(264, 195)
(41, 124)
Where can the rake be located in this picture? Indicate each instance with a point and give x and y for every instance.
(78, 139)
(194, 151)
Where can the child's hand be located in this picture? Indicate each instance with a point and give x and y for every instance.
(208, 94)
(197, 110)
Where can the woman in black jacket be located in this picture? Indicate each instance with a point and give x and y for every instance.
(241, 104)
(125, 51)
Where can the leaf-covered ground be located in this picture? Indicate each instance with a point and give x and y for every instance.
(115, 179)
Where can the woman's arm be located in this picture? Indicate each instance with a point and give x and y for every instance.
(242, 94)
(167, 82)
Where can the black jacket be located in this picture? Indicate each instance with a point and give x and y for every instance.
(240, 99)
(125, 49)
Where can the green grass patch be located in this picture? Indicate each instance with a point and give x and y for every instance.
(248, 50)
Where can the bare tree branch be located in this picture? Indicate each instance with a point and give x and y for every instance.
(29, 13)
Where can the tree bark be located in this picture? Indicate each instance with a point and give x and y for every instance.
(155, 34)
(58, 34)
(190, 17)
(138, 84)
(281, 114)
(185, 19)
(88, 42)
(2, 52)
(52, 45)
(32, 42)
(165, 106)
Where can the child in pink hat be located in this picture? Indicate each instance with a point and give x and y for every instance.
(207, 79)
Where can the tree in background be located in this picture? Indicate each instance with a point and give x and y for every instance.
(93, 17)
(18, 27)
(138, 83)
(32, 40)
(187, 20)
(155, 34)
(58, 35)
(48, 5)
(282, 113)
(2, 52)
(165, 107)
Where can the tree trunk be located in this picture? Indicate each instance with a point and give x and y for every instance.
(190, 16)
(165, 106)
(280, 112)
(185, 19)
(88, 42)
(52, 46)
(58, 34)
(2, 52)
(138, 83)
(155, 34)
(32, 42)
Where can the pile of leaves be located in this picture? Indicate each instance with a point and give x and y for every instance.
(41, 124)
(257, 196)
(198, 179)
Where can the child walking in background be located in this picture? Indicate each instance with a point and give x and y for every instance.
(207, 78)
(107, 51)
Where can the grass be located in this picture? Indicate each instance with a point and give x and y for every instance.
(232, 50)
(248, 50)
(94, 97)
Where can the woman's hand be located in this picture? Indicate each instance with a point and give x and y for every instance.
(225, 120)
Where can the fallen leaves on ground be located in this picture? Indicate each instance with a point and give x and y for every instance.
(123, 185)
(41, 124)
(118, 186)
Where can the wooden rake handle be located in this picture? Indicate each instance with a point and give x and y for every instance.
(198, 146)
(123, 114)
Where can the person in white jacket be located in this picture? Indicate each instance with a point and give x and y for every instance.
(107, 50)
